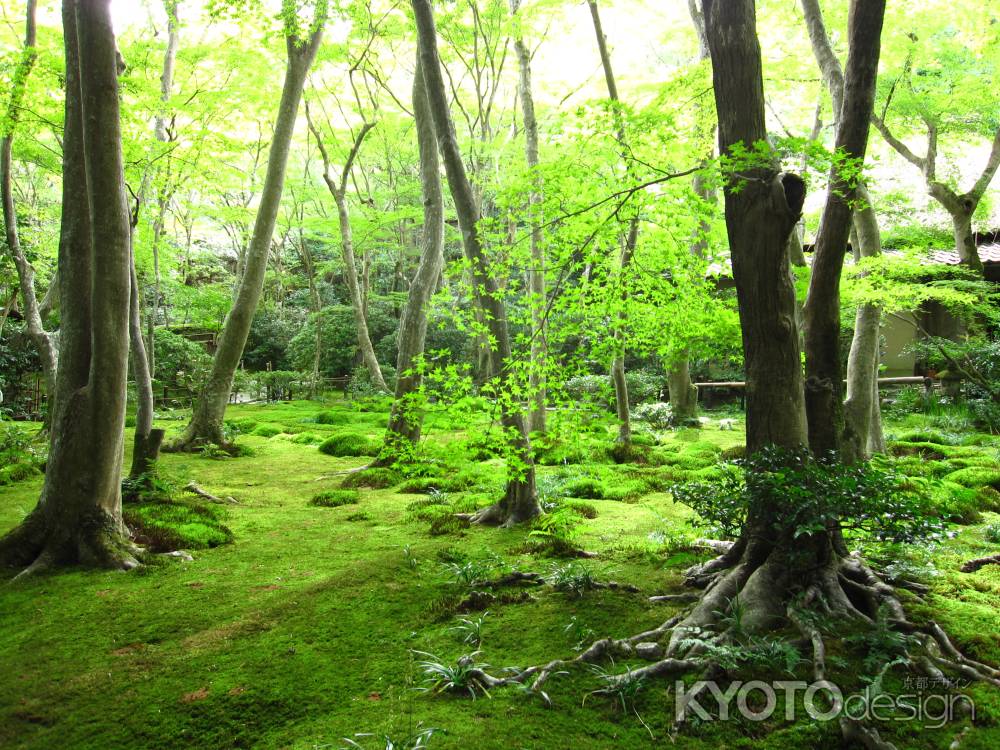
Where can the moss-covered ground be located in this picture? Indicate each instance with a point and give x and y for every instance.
(303, 630)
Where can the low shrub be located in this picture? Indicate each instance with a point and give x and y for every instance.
(582, 509)
(332, 417)
(267, 430)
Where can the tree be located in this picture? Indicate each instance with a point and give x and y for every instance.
(78, 516)
(628, 241)
(536, 273)
(206, 422)
(853, 103)
(405, 419)
(520, 501)
(338, 189)
(943, 89)
(44, 342)
(862, 431)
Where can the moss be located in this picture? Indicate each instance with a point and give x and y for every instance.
(307, 438)
(448, 523)
(376, 479)
(989, 499)
(17, 473)
(168, 526)
(242, 426)
(733, 453)
(976, 476)
(332, 417)
(335, 498)
(349, 444)
(626, 491)
(586, 488)
(927, 436)
(267, 430)
(585, 510)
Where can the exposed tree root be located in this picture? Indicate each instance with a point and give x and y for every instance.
(980, 562)
(193, 488)
(768, 595)
(96, 541)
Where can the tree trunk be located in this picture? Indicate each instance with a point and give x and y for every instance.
(520, 502)
(862, 412)
(822, 309)
(406, 418)
(206, 422)
(146, 441)
(78, 516)
(683, 394)
(358, 291)
(629, 242)
(536, 273)
(42, 340)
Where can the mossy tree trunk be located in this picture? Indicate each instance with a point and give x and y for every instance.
(206, 422)
(520, 501)
(78, 516)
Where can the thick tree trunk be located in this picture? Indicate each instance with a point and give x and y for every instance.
(536, 273)
(206, 422)
(862, 413)
(43, 341)
(406, 419)
(78, 517)
(822, 309)
(520, 501)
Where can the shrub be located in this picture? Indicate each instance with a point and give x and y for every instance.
(335, 498)
(349, 444)
(658, 415)
(376, 479)
(307, 438)
(240, 426)
(448, 523)
(796, 496)
(17, 473)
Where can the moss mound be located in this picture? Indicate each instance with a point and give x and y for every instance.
(352, 444)
(335, 498)
(166, 526)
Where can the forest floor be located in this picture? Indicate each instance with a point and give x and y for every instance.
(304, 629)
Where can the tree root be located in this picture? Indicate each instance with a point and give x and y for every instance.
(846, 587)
(193, 488)
(980, 562)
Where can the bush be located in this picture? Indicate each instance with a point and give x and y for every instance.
(626, 491)
(335, 498)
(180, 363)
(733, 453)
(658, 415)
(796, 495)
(307, 438)
(352, 444)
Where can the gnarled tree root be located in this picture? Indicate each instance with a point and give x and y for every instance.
(768, 599)
(96, 541)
